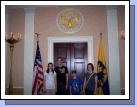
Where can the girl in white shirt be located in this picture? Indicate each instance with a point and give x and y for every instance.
(50, 83)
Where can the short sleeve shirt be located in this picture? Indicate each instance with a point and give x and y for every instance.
(50, 84)
(75, 85)
(61, 74)
(91, 83)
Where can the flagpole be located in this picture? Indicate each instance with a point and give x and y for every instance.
(101, 34)
(37, 37)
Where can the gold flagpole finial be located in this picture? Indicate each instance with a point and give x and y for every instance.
(37, 36)
(101, 34)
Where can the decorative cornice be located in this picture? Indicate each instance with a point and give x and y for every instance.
(30, 10)
(70, 39)
(111, 7)
(31, 6)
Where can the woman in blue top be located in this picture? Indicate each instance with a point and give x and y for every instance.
(75, 84)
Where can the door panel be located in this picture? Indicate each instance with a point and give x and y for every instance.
(74, 56)
(62, 50)
(79, 58)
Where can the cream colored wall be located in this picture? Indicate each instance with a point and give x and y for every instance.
(95, 21)
(16, 24)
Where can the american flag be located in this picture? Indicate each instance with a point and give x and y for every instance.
(38, 76)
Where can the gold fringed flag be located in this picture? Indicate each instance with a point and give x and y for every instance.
(103, 87)
(38, 76)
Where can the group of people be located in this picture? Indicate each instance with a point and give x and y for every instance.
(56, 80)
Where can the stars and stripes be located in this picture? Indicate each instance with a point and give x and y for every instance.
(38, 76)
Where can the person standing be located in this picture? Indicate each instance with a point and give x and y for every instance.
(90, 81)
(50, 83)
(62, 77)
(75, 84)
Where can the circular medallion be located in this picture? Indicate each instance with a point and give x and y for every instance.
(70, 21)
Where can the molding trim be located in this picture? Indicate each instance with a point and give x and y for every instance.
(76, 39)
(30, 10)
(15, 87)
(122, 88)
(111, 7)
(33, 6)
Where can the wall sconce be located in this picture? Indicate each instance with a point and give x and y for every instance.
(122, 35)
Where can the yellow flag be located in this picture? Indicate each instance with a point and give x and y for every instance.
(103, 87)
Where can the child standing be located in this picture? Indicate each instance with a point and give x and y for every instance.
(50, 83)
(75, 84)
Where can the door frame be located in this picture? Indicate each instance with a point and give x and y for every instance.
(72, 39)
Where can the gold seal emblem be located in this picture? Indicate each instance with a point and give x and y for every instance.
(70, 21)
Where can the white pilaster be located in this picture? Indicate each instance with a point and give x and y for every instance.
(113, 47)
(28, 50)
(6, 45)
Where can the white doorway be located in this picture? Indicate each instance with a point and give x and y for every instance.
(78, 39)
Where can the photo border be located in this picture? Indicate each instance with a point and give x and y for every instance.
(131, 101)
(131, 77)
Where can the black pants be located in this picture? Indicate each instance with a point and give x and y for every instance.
(61, 89)
(88, 92)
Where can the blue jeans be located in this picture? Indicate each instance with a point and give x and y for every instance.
(61, 89)
(88, 92)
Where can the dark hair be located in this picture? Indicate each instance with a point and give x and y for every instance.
(91, 66)
(48, 68)
(59, 58)
(73, 71)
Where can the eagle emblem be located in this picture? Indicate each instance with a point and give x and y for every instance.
(70, 21)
